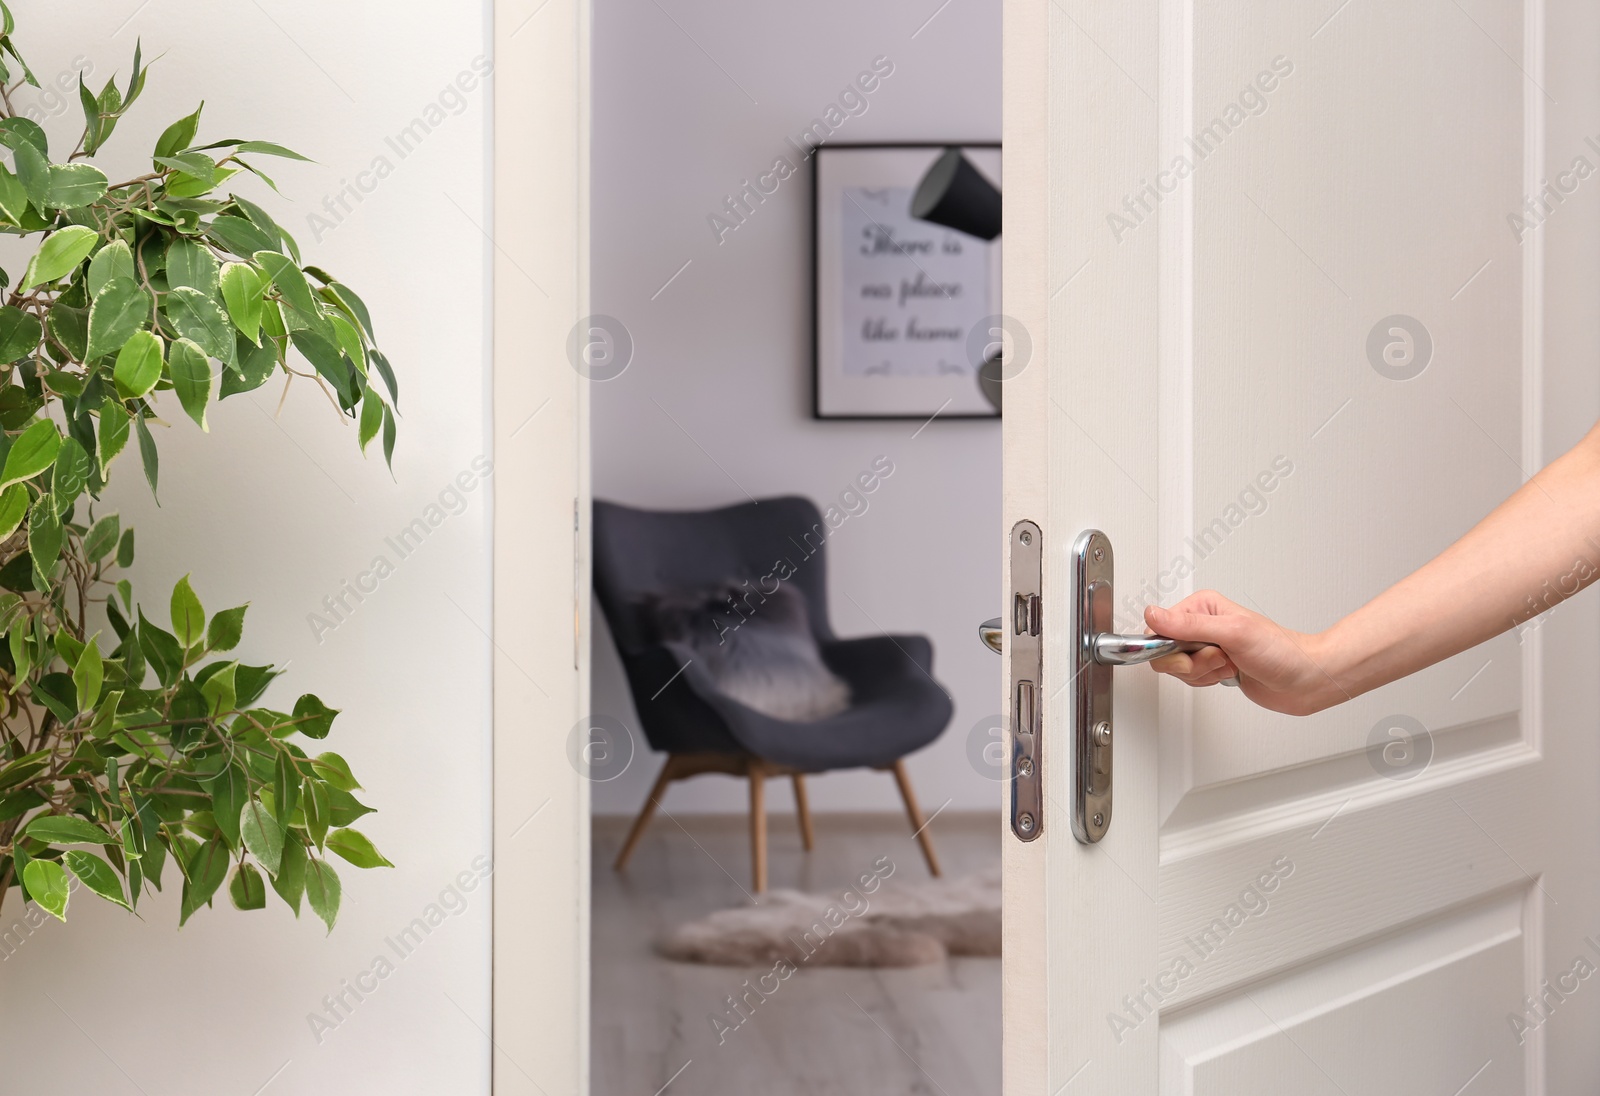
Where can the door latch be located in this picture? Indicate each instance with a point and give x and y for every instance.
(1025, 625)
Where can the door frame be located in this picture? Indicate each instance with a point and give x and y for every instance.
(538, 248)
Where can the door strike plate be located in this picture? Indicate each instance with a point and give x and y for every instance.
(1024, 622)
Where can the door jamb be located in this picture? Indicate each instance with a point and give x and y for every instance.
(539, 255)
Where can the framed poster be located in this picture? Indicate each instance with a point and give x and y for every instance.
(904, 309)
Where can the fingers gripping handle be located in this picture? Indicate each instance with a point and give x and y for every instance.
(1112, 649)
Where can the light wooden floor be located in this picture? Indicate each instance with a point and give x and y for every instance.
(933, 1031)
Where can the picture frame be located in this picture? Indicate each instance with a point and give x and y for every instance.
(902, 310)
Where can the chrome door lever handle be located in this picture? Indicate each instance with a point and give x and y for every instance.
(1111, 649)
(991, 633)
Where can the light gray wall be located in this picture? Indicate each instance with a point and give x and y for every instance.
(280, 514)
(716, 402)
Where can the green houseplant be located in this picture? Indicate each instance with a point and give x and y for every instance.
(132, 755)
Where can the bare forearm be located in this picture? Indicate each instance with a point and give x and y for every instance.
(1534, 550)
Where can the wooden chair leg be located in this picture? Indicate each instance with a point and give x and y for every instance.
(758, 824)
(803, 811)
(646, 812)
(919, 825)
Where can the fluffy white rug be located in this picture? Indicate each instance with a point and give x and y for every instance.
(898, 925)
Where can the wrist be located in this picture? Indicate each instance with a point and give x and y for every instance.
(1320, 674)
(1329, 667)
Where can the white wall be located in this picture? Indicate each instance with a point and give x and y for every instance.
(280, 514)
(686, 108)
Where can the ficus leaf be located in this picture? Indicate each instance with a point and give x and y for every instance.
(73, 186)
(229, 793)
(59, 255)
(138, 369)
(242, 287)
(190, 263)
(19, 333)
(113, 261)
(219, 690)
(349, 341)
(197, 165)
(248, 890)
(188, 617)
(102, 538)
(322, 890)
(183, 185)
(112, 432)
(32, 453)
(33, 170)
(388, 438)
(97, 875)
(191, 379)
(267, 148)
(314, 717)
(206, 868)
(119, 310)
(179, 135)
(372, 411)
(262, 835)
(67, 829)
(290, 879)
(344, 809)
(335, 770)
(91, 118)
(161, 650)
(291, 283)
(21, 658)
(47, 886)
(386, 371)
(72, 473)
(13, 507)
(285, 786)
(16, 131)
(87, 676)
(240, 235)
(148, 454)
(225, 629)
(44, 535)
(318, 812)
(13, 198)
(357, 848)
(354, 305)
(198, 317)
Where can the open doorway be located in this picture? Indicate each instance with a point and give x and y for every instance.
(801, 911)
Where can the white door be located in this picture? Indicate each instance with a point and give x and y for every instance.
(1309, 287)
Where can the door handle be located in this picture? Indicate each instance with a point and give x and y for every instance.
(1111, 648)
(991, 634)
(1094, 650)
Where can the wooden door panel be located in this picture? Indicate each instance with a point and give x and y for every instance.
(1388, 1019)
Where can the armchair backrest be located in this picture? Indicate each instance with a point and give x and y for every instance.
(757, 545)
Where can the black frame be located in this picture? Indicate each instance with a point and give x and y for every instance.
(816, 342)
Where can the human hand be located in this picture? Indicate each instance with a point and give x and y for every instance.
(1277, 669)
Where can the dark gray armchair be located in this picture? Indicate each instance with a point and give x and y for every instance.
(896, 706)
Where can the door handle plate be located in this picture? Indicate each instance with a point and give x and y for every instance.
(1093, 748)
(1024, 626)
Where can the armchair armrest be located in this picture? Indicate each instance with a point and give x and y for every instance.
(869, 657)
